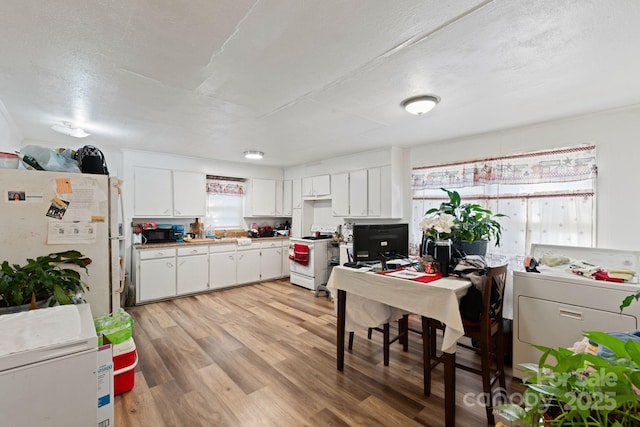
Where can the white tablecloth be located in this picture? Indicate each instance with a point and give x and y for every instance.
(373, 299)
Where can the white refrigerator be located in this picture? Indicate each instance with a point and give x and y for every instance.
(43, 212)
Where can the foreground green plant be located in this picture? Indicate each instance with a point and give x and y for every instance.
(582, 389)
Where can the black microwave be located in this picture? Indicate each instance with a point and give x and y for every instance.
(158, 235)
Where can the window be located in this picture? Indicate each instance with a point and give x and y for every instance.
(224, 202)
(549, 197)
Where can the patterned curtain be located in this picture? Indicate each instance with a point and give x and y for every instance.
(225, 186)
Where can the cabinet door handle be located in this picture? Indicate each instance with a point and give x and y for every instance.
(570, 314)
(169, 264)
(177, 212)
(182, 262)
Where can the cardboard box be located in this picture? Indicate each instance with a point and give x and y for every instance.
(104, 381)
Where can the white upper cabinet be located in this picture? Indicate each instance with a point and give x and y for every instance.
(316, 186)
(296, 194)
(358, 193)
(263, 197)
(189, 194)
(153, 192)
(268, 197)
(287, 198)
(162, 192)
(374, 193)
(374, 180)
(340, 194)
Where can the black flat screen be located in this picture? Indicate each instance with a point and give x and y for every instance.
(380, 242)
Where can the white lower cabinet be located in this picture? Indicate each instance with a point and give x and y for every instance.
(168, 272)
(248, 263)
(193, 269)
(270, 260)
(286, 262)
(156, 275)
(222, 266)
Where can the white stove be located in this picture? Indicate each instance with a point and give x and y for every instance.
(315, 272)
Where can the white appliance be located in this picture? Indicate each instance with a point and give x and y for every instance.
(554, 307)
(48, 364)
(32, 225)
(315, 273)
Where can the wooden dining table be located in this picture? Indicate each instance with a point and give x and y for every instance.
(366, 299)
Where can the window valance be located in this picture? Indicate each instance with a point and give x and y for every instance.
(559, 165)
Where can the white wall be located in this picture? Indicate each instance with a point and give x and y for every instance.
(10, 136)
(615, 134)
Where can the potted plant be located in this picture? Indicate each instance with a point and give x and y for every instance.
(45, 278)
(463, 223)
(581, 389)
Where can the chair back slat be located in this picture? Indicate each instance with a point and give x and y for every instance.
(496, 279)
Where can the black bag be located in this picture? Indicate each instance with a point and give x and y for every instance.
(91, 160)
(471, 303)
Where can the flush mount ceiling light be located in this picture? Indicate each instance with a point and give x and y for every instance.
(419, 105)
(253, 154)
(67, 128)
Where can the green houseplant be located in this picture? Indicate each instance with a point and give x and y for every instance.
(581, 389)
(461, 222)
(42, 278)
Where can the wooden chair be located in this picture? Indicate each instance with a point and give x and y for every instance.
(488, 333)
(387, 340)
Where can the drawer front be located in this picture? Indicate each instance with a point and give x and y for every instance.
(217, 248)
(554, 324)
(252, 245)
(157, 253)
(271, 244)
(193, 250)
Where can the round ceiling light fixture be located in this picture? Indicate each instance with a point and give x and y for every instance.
(66, 128)
(253, 154)
(420, 105)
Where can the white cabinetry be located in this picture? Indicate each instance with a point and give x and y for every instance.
(189, 194)
(270, 259)
(162, 192)
(340, 194)
(263, 197)
(373, 192)
(156, 274)
(358, 193)
(296, 194)
(286, 262)
(153, 194)
(269, 197)
(316, 187)
(248, 263)
(193, 269)
(222, 266)
(287, 199)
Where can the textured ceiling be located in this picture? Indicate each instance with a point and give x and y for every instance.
(305, 80)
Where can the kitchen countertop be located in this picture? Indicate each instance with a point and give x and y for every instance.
(205, 242)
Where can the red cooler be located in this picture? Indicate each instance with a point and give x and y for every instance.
(125, 359)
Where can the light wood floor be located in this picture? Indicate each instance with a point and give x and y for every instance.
(265, 355)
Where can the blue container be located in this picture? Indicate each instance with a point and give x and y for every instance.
(178, 231)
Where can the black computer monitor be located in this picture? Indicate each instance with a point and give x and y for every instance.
(380, 242)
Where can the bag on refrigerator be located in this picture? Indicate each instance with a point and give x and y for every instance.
(91, 160)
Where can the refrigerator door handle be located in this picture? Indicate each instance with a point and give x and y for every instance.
(122, 276)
